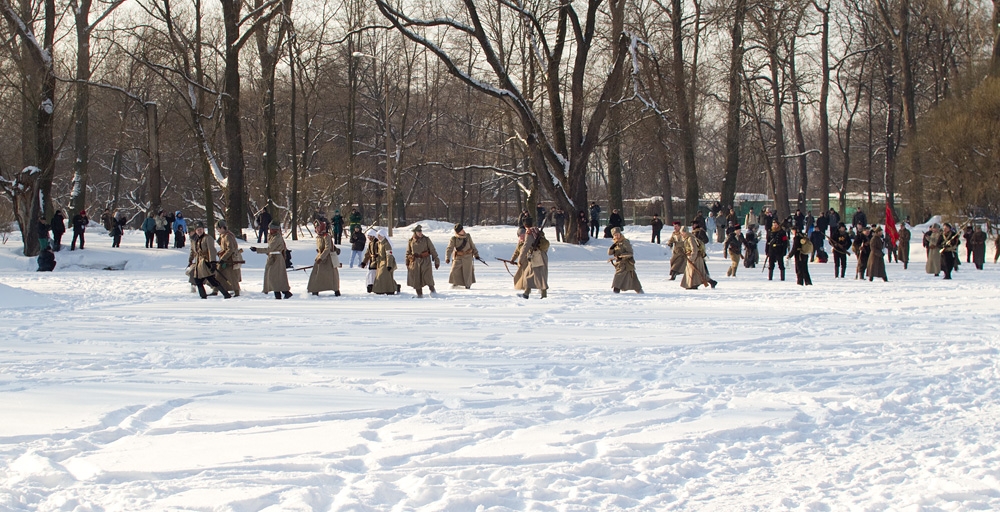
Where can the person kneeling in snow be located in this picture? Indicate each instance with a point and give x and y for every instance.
(46, 259)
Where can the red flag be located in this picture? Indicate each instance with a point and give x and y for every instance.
(890, 226)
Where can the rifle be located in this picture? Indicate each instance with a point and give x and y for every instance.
(505, 262)
(710, 282)
(480, 260)
(834, 246)
(303, 268)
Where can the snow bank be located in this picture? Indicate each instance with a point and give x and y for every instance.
(17, 298)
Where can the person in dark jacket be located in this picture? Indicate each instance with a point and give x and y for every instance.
(58, 226)
(822, 223)
(80, 222)
(615, 220)
(801, 254)
(862, 251)
(751, 254)
(46, 259)
(657, 225)
(263, 221)
(43, 233)
(733, 247)
(840, 243)
(582, 228)
(799, 221)
(777, 247)
(162, 230)
(833, 221)
(967, 236)
(559, 219)
(149, 229)
(978, 243)
(860, 220)
(950, 240)
(595, 219)
(357, 245)
(338, 227)
(354, 218)
(118, 229)
(816, 237)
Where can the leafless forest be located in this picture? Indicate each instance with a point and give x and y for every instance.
(470, 110)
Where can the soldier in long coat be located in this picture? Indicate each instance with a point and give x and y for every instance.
(624, 260)
(694, 269)
(932, 242)
(230, 259)
(275, 273)
(205, 261)
(385, 280)
(801, 256)
(862, 251)
(463, 251)
(325, 274)
(978, 243)
(676, 244)
(876, 265)
(420, 252)
(532, 262)
(903, 245)
(950, 241)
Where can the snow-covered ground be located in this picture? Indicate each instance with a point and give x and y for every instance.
(121, 390)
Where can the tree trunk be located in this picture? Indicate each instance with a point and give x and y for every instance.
(909, 115)
(731, 174)
(236, 209)
(81, 110)
(995, 59)
(153, 140)
(615, 167)
(800, 141)
(780, 164)
(691, 195)
(824, 116)
(295, 156)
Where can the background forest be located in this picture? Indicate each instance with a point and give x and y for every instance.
(471, 110)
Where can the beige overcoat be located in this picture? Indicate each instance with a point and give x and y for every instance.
(275, 274)
(230, 262)
(876, 263)
(933, 265)
(421, 257)
(325, 274)
(531, 277)
(624, 260)
(385, 282)
(204, 251)
(463, 253)
(694, 270)
(677, 259)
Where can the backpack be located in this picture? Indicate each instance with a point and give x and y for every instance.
(807, 247)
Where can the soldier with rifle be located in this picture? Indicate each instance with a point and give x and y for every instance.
(841, 245)
(463, 251)
(623, 258)
(950, 240)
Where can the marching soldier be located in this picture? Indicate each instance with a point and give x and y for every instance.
(978, 243)
(419, 253)
(532, 261)
(734, 247)
(205, 263)
(463, 251)
(876, 265)
(275, 272)
(903, 245)
(230, 259)
(676, 244)
(801, 250)
(950, 240)
(841, 244)
(624, 260)
(325, 274)
(777, 246)
(862, 251)
(751, 254)
(695, 273)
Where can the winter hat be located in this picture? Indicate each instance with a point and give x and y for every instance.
(320, 228)
(200, 224)
(274, 226)
(459, 228)
(616, 231)
(221, 224)
(83, 212)
(178, 214)
(418, 229)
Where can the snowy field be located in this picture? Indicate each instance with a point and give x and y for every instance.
(121, 390)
